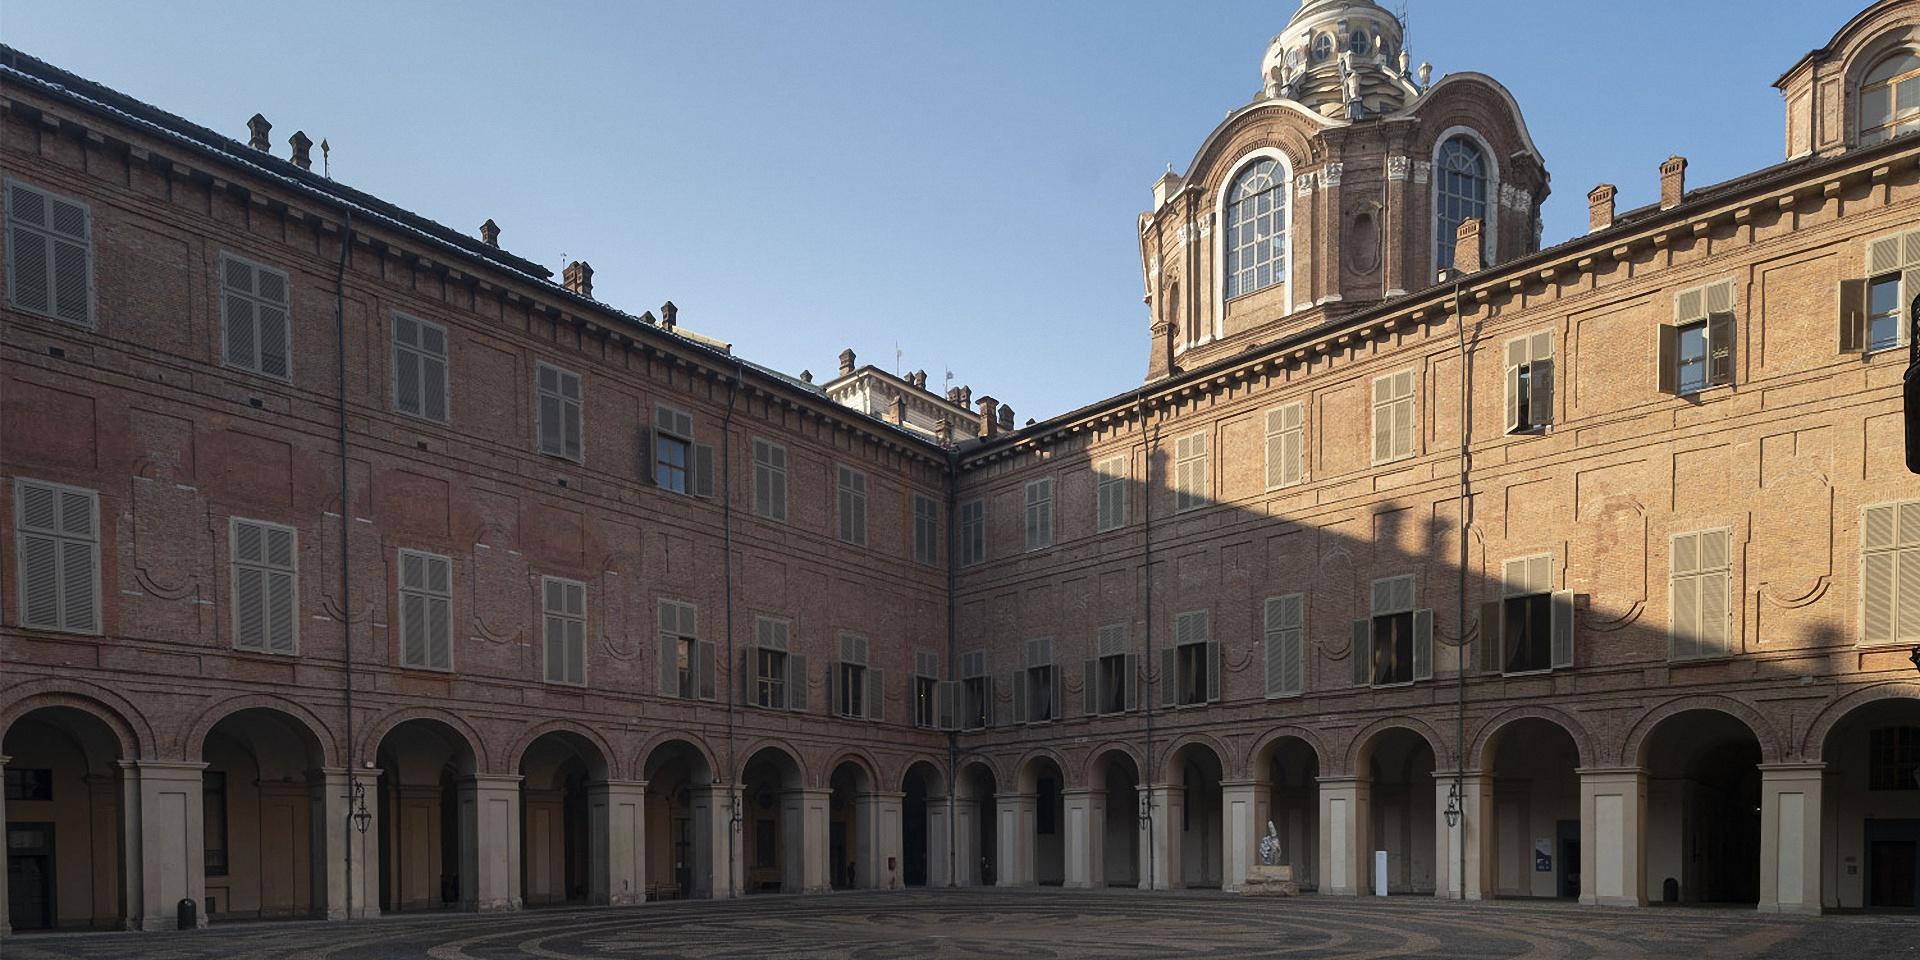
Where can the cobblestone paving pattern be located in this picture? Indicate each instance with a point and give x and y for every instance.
(1026, 924)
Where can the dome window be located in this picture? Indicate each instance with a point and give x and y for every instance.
(1257, 229)
(1890, 99)
(1322, 47)
(1359, 42)
(1461, 187)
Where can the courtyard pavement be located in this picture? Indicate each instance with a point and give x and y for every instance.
(1035, 923)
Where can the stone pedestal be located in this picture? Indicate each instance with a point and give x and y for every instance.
(1269, 881)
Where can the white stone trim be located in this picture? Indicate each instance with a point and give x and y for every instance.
(1219, 278)
(1490, 230)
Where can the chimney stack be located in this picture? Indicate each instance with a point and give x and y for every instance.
(1006, 416)
(846, 361)
(919, 379)
(1600, 208)
(490, 233)
(257, 130)
(943, 431)
(578, 278)
(1673, 182)
(302, 150)
(1467, 246)
(989, 417)
(806, 376)
(669, 315)
(897, 409)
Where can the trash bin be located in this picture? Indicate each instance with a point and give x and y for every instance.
(187, 915)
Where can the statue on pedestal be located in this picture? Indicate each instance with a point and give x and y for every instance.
(1270, 846)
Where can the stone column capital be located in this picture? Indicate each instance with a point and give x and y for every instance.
(1791, 771)
(492, 781)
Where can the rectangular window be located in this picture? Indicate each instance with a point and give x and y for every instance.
(857, 690)
(851, 485)
(559, 412)
(1890, 573)
(213, 819)
(973, 532)
(770, 663)
(1285, 645)
(1037, 689)
(686, 663)
(426, 611)
(1530, 382)
(57, 534)
(1286, 439)
(1696, 350)
(1110, 494)
(419, 368)
(266, 593)
(1191, 472)
(1395, 645)
(1039, 514)
(1535, 623)
(926, 530)
(1702, 570)
(49, 254)
(683, 466)
(976, 692)
(1393, 426)
(1110, 681)
(25, 783)
(253, 318)
(1893, 759)
(769, 480)
(1883, 313)
(1871, 310)
(566, 630)
(1191, 666)
(926, 691)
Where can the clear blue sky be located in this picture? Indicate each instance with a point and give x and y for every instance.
(960, 178)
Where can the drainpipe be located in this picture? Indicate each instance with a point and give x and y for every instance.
(726, 549)
(1460, 685)
(346, 528)
(1146, 541)
(953, 736)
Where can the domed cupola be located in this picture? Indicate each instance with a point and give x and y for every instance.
(1342, 59)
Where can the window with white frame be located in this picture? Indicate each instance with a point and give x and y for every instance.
(1394, 645)
(565, 603)
(558, 397)
(926, 530)
(1696, 350)
(1036, 690)
(1110, 494)
(49, 254)
(1286, 445)
(687, 667)
(1461, 186)
(1111, 681)
(973, 532)
(1890, 98)
(769, 480)
(1190, 667)
(426, 610)
(776, 673)
(858, 690)
(57, 536)
(254, 318)
(851, 486)
(1872, 309)
(1533, 629)
(683, 466)
(1393, 419)
(1039, 495)
(1256, 241)
(1285, 644)
(419, 368)
(266, 593)
(1890, 573)
(1702, 572)
(1192, 472)
(1529, 382)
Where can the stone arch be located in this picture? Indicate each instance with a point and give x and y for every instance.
(1254, 767)
(666, 738)
(1479, 753)
(777, 745)
(1360, 747)
(857, 756)
(129, 726)
(1633, 752)
(1207, 740)
(993, 768)
(609, 759)
(1024, 769)
(319, 734)
(1813, 747)
(1097, 757)
(938, 778)
(474, 743)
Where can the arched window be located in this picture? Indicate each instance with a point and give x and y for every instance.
(1460, 182)
(1890, 98)
(1257, 228)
